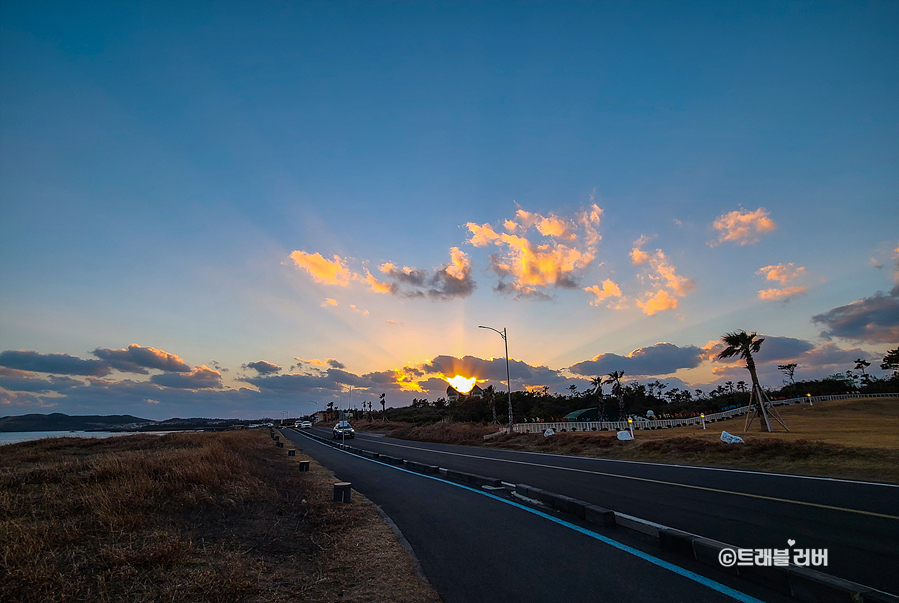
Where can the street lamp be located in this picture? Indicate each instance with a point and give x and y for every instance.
(508, 378)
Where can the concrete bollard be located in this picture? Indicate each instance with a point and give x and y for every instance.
(342, 492)
(304, 465)
(291, 452)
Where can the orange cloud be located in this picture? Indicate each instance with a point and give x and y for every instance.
(329, 302)
(609, 289)
(376, 285)
(743, 226)
(664, 276)
(782, 273)
(532, 265)
(781, 294)
(322, 270)
(657, 302)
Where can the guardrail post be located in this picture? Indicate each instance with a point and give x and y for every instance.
(342, 492)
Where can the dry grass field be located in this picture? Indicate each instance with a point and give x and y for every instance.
(188, 517)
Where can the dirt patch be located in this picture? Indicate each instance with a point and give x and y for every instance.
(186, 517)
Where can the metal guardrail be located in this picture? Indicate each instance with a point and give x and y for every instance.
(676, 422)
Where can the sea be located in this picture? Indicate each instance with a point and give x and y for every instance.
(13, 437)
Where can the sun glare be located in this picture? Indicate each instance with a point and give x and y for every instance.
(462, 385)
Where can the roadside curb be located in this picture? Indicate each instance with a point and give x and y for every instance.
(801, 583)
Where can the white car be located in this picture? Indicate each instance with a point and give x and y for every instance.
(306, 425)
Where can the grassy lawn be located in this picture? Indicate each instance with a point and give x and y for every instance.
(188, 517)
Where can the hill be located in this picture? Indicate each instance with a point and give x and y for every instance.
(60, 422)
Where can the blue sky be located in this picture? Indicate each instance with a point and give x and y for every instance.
(297, 200)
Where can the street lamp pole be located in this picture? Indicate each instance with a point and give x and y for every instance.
(508, 377)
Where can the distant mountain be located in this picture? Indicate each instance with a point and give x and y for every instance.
(60, 422)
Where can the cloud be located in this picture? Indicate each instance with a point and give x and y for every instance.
(871, 319)
(376, 285)
(743, 226)
(201, 377)
(784, 294)
(522, 373)
(329, 302)
(609, 289)
(662, 275)
(20, 381)
(782, 273)
(564, 248)
(218, 366)
(658, 359)
(61, 364)
(262, 367)
(330, 272)
(449, 281)
(657, 302)
(135, 359)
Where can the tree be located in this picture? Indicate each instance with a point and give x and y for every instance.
(490, 394)
(597, 389)
(861, 364)
(730, 386)
(788, 370)
(743, 344)
(891, 362)
(615, 379)
(741, 385)
(383, 408)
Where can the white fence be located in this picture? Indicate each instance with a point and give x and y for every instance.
(678, 422)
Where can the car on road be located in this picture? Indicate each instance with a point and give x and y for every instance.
(343, 430)
(305, 425)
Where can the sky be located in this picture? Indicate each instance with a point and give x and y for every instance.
(254, 209)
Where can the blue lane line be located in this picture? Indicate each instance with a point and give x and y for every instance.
(708, 582)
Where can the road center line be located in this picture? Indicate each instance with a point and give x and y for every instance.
(654, 481)
(698, 578)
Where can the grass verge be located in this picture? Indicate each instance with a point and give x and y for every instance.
(188, 517)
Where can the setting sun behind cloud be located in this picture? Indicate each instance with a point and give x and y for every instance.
(461, 384)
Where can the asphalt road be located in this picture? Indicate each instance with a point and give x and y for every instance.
(857, 522)
(473, 546)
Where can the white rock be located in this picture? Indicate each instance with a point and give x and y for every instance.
(730, 439)
(625, 435)
(548, 433)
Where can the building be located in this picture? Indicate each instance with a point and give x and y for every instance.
(453, 395)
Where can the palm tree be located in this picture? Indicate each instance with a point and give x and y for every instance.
(615, 379)
(730, 386)
(745, 345)
(741, 385)
(489, 393)
(597, 389)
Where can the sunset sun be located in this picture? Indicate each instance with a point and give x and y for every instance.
(462, 385)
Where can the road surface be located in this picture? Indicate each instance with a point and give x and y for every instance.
(857, 522)
(474, 546)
